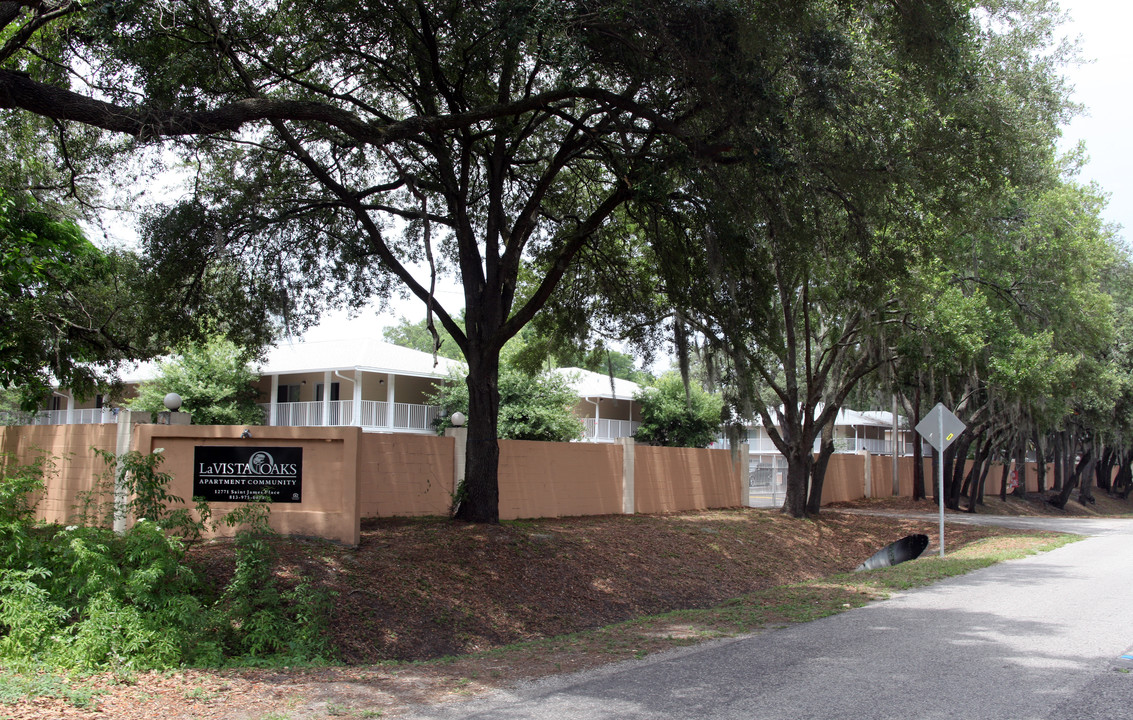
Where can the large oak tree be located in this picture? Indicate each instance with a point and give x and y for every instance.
(340, 151)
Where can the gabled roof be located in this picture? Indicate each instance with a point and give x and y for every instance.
(885, 417)
(589, 384)
(844, 418)
(369, 354)
(302, 356)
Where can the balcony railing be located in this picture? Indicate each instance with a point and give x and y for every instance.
(603, 430)
(875, 446)
(85, 416)
(374, 413)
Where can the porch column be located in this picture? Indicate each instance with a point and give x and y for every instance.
(123, 439)
(70, 417)
(391, 398)
(273, 408)
(357, 404)
(326, 398)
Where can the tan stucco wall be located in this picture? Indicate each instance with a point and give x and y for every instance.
(544, 479)
(76, 468)
(882, 475)
(374, 386)
(883, 472)
(609, 409)
(844, 479)
(994, 483)
(414, 390)
(330, 470)
(676, 479)
(402, 474)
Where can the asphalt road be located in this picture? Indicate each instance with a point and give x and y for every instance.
(1030, 639)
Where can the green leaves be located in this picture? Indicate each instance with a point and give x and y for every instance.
(85, 598)
(532, 407)
(672, 417)
(214, 381)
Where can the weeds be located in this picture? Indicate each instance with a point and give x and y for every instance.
(18, 686)
(88, 599)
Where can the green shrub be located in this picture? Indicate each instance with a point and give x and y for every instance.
(85, 598)
(676, 416)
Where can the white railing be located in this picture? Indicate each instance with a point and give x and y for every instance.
(608, 430)
(414, 417)
(875, 446)
(310, 414)
(375, 413)
(85, 416)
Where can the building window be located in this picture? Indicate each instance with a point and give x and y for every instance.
(333, 392)
(98, 401)
(287, 394)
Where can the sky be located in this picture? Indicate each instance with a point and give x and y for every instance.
(1104, 87)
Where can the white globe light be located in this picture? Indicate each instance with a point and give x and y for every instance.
(173, 402)
(458, 419)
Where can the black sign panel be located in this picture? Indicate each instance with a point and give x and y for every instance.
(246, 474)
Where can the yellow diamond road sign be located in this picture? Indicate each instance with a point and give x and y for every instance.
(940, 427)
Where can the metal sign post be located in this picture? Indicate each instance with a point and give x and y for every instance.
(940, 427)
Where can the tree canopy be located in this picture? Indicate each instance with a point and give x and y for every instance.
(528, 351)
(782, 183)
(69, 312)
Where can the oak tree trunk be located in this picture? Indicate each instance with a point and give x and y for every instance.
(798, 475)
(478, 497)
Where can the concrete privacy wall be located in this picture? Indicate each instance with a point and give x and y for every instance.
(544, 479)
(994, 481)
(881, 473)
(401, 474)
(347, 474)
(675, 479)
(330, 470)
(848, 473)
(847, 477)
(76, 468)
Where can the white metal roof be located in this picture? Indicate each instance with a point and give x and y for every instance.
(367, 354)
(301, 356)
(844, 418)
(589, 384)
(885, 417)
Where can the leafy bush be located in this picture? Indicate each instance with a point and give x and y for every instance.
(532, 407)
(214, 382)
(671, 417)
(86, 598)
